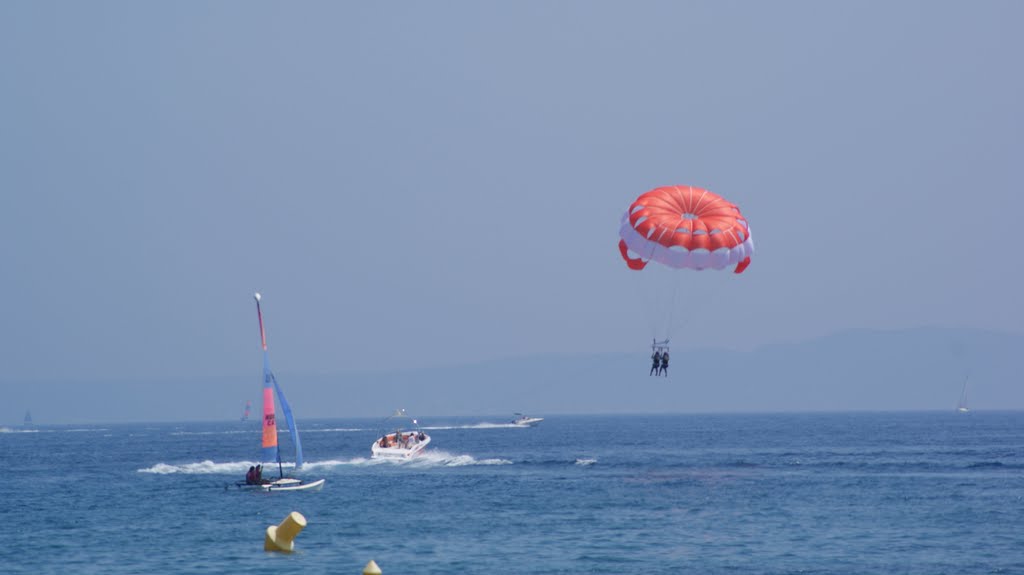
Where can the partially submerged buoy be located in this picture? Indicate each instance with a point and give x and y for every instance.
(281, 537)
(371, 568)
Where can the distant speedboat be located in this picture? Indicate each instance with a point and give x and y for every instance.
(526, 420)
(406, 441)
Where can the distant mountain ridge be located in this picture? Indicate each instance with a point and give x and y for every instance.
(919, 369)
(913, 369)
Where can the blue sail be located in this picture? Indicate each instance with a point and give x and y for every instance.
(291, 423)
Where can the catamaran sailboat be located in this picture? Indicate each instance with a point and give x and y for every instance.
(406, 441)
(270, 452)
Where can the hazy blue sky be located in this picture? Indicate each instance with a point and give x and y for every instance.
(428, 183)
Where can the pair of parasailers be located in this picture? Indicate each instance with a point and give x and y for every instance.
(659, 362)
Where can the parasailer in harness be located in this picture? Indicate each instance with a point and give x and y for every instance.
(659, 357)
(655, 362)
(664, 363)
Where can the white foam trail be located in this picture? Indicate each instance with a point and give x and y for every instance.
(428, 458)
(208, 467)
(202, 468)
(480, 426)
(234, 432)
(585, 461)
(323, 464)
(9, 430)
(436, 458)
(35, 430)
(355, 461)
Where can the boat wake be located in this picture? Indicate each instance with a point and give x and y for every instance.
(207, 468)
(36, 430)
(9, 430)
(431, 458)
(479, 426)
(435, 458)
(425, 460)
(227, 432)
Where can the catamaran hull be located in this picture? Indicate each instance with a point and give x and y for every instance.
(286, 484)
(302, 486)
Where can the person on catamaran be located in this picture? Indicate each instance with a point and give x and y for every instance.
(258, 476)
(250, 476)
(664, 362)
(656, 363)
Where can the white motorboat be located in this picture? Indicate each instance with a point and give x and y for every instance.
(406, 441)
(526, 421)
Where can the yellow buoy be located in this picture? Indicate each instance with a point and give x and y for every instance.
(282, 537)
(371, 568)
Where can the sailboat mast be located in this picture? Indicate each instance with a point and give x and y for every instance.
(259, 314)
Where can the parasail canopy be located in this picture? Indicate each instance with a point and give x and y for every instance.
(685, 227)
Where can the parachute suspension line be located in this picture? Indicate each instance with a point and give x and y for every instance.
(707, 292)
(659, 325)
(673, 291)
(650, 255)
(674, 282)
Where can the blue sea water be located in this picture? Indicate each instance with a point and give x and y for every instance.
(858, 493)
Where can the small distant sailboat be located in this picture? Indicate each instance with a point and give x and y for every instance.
(270, 452)
(28, 419)
(246, 410)
(961, 406)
